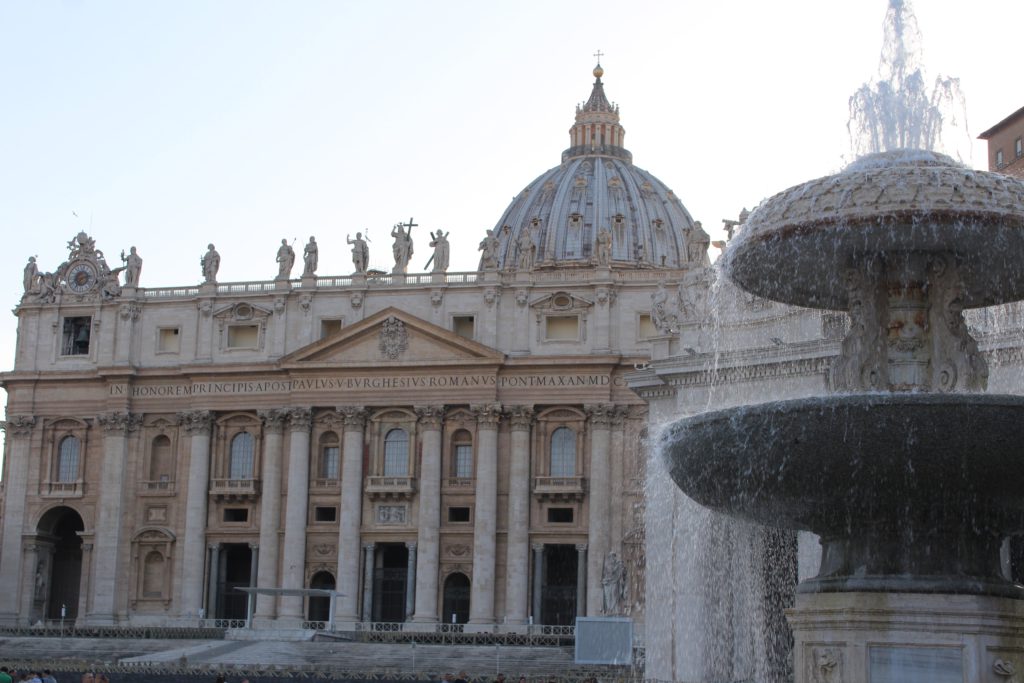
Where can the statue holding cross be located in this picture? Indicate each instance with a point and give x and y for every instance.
(402, 247)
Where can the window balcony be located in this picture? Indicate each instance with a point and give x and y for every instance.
(390, 487)
(559, 489)
(324, 485)
(63, 489)
(156, 487)
(234, 489)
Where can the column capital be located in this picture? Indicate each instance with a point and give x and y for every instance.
(600, 414)
(214, 547)
(19, 425)
(431, 417)
(581, 547)
(352, 416)
(411, 545)
(368, 546)
(196, 421)
(300, 419)
(487, 415)
(537, 547)
(273, 420)
(117, 422)
(520, 417)
(254, 546)
(619, 415)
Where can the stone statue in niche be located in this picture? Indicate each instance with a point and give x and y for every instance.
(41, 579)
(526, 247)
(285, 260)
(613, 583)
(210, 263)
(310, 257)
(132, 267)
(360, 252)
(489, 251)
(604, 247)
(402, 247)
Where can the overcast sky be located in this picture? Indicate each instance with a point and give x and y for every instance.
(170, 124)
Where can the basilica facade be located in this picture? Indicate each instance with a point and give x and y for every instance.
(412, 448)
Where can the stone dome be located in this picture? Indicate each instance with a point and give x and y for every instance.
(596, 188)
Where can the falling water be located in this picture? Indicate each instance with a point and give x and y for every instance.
(900, 111)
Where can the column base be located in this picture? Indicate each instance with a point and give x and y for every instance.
(860, 637)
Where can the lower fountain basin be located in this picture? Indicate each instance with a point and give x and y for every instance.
(908, 492)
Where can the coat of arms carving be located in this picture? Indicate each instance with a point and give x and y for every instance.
(393, 338)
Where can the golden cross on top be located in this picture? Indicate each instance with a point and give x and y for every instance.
(598, 54)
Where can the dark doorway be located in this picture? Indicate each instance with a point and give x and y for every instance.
(456, 599)
(234, 571)
(389, 574)
(558, 599)
(320, 606)
(62, 524)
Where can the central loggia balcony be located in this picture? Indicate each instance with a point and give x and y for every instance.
(559, 488)
(379, 488)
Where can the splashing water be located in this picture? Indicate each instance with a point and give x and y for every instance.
(899, 111)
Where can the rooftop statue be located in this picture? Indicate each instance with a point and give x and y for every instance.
(439, 242)
(402, 247)
(603, 252)
(285, 260)
(489, 251)
(526, 249)
(360, 252)
(133, 267)
(31, 275)
(210, 263)
(310, 257)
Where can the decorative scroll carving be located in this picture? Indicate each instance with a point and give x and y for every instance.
(130, 311)
(826, 664)
(487, 415)
(196, 421)
(19, 425)
(352, 416)
(119, 422)
(300, 419)
(1005, 668)
(394, 339)
(957, 362)
(273, 420)
(862, 358)
(430, 416)
(520, 417)
(600, 415)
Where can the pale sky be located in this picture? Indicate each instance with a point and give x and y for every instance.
(170, 124)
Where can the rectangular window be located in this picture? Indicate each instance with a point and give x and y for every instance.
(459, 514)
(168, 340)
(329, 327)
(1000, 162)
(464, 460)
(645, 328)
(560, 515)
(396, 454)
(1018, 147)
(562, 328)
(236, 515)
(243, 336)
(75, 341)
(330, 462)
(325, 514)
(464, 325)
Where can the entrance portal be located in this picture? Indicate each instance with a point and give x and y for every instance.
(58, 575)
(456, 599)
(558, 599)
(235, 571)
(320, 606)
(389, 575)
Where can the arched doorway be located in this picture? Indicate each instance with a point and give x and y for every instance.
(320, 606)
(58, 573)
(456, 599)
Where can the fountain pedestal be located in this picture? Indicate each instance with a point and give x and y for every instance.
(906, 638)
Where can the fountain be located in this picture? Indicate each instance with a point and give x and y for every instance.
(909, 475)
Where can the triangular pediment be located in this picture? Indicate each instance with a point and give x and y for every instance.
(389, 338)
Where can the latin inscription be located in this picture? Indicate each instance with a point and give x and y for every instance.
(327, 384)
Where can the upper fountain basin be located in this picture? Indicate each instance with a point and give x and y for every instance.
(795, 245)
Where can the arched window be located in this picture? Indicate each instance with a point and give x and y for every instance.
(319, 605)
(240, 464)
(462, 454)
(396, 453)
(563, 453)
(153, 575)
(160, 465)
(67, 460)
(330, 457)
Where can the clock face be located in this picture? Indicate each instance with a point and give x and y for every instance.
(81, 277)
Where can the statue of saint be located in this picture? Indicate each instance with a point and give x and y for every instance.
(697, 245)
(604, 247)
(639, 252)
(310, 256)
(285, 260)
(210, 263)
(489, 251)
(31, 274)
(402, 247)
(132, 267)
(659, 309)
(360, 252)
(526, 249)
(439, 242)
(613, 583)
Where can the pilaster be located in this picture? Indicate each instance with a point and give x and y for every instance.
(270, 510)
(296, 510)
(599, 418)
(198, 424)
(19, 430)
(428, 537)
(350, 518)
(517, 564)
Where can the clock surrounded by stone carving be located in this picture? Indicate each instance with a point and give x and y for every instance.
(81, 277)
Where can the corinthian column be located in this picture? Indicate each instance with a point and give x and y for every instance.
(19, 433)
(105, 590)
(428, 538)
(198, 424)
(351, 513)
(296, 510)
(270, 510)
(481, 596)
(600, 417)
(517, 569)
